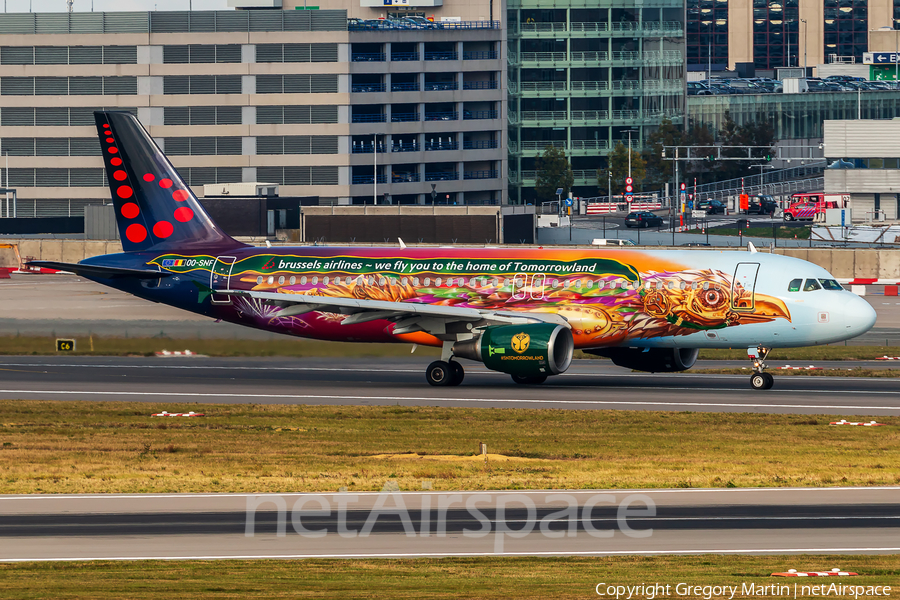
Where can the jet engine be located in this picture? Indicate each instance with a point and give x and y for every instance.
(527, 352)
(653, 360)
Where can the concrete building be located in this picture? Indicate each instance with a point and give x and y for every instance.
(290, 97)
(581, 78)
(777, 33)
(873, 148)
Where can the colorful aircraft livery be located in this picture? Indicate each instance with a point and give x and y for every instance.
(518, 311)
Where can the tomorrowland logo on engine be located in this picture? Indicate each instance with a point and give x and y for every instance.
(520, 342)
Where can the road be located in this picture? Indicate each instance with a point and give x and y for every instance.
(170, 383)
(415, 524)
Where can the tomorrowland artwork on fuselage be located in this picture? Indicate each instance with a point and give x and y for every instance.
(607, 301)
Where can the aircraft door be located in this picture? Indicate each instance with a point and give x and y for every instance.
(537, 286)
(518, 286)
(220, 279)
(743, 287)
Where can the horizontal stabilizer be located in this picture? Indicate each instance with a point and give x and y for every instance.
(99, 271)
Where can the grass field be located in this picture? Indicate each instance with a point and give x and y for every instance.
(488, 578)
(84, 447)
(294, 347)
(781, 232)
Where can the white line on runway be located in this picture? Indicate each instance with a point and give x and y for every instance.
(482, 400)
(466, 554)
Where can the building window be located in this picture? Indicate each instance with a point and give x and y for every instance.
(72, 55)
(203, 146)
(199, 84)
(296, 115)
(296, 53)
(68, 86)
(202, 115)
(296, 144)
(202, 53)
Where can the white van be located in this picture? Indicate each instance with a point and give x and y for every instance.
(611, 242)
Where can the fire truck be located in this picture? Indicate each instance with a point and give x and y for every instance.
(808, 206)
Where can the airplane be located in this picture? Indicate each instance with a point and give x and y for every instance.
(518, 311)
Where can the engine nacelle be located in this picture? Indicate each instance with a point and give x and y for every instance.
(654, 360)
(534, 350)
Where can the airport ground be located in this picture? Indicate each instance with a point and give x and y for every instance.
(695, 428)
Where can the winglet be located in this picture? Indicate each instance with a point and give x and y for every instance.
(402, 245)
(751, 248)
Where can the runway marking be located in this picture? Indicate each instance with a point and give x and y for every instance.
(465, 554)
(482, 400)
(468, 371)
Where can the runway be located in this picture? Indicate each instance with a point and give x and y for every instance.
(171, 383)
(416, 524)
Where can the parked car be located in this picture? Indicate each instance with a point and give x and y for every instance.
(747, 87)
(761, 205)
(643, 219)
(711, 207)
(697, 244)
(695, 88)
(841, 78)
(424, 23)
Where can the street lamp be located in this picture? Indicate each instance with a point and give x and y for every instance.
(629, 132)
(804, 46)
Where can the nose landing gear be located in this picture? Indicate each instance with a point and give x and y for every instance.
(760, 380)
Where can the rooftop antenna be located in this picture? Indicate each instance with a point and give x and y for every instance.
(70, 4)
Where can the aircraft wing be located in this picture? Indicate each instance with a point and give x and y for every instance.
(99, 271)
(408, 316)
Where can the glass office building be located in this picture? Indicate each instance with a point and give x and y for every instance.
(580, 79)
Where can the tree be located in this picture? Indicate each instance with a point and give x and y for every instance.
(617, 164)
(553, 172)
(659, 169)
(735, 141)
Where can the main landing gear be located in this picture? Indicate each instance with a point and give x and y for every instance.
(445, 372)
(760, 380)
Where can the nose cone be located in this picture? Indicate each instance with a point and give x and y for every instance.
(858, 316)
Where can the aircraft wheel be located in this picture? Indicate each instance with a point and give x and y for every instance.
(457, 373)
(760, 381)
(529, 380)
(770, 381)
(439, 373)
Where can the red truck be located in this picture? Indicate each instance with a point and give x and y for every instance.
(807, 206)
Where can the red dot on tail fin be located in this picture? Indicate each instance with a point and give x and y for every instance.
(124, 191)
(130, 210)
(184, 214)
(110, 140)
(180, 195)
(106, 124)
(120, 175)
(136, 233)
(149, 177)
(113, 150)
(163, 229)
(116, 161)
(166, 183)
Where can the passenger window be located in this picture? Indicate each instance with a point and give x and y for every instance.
(600, 285)
(271, 279)
(405, 281)
(794, 285)
(589, 284)
(415, 281)
(315, 280)
(428, 281)
(437, 281)
(472, 282)
(293, 280)
(811, 285)
(325, 280)
(281, 280)
(380, 281)
(303, 280)
(682, 285)
(259, 280)
(705, 285)
(831, 284)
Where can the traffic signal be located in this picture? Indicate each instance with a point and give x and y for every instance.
(768, 157)
(711, 158)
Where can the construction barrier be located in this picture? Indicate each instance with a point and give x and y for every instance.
(601, 208)
(645, 205)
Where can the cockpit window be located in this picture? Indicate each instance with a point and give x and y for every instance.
(794, 285)
(811, 285)
(830, 284)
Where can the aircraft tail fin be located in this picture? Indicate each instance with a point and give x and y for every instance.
(155, 209)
